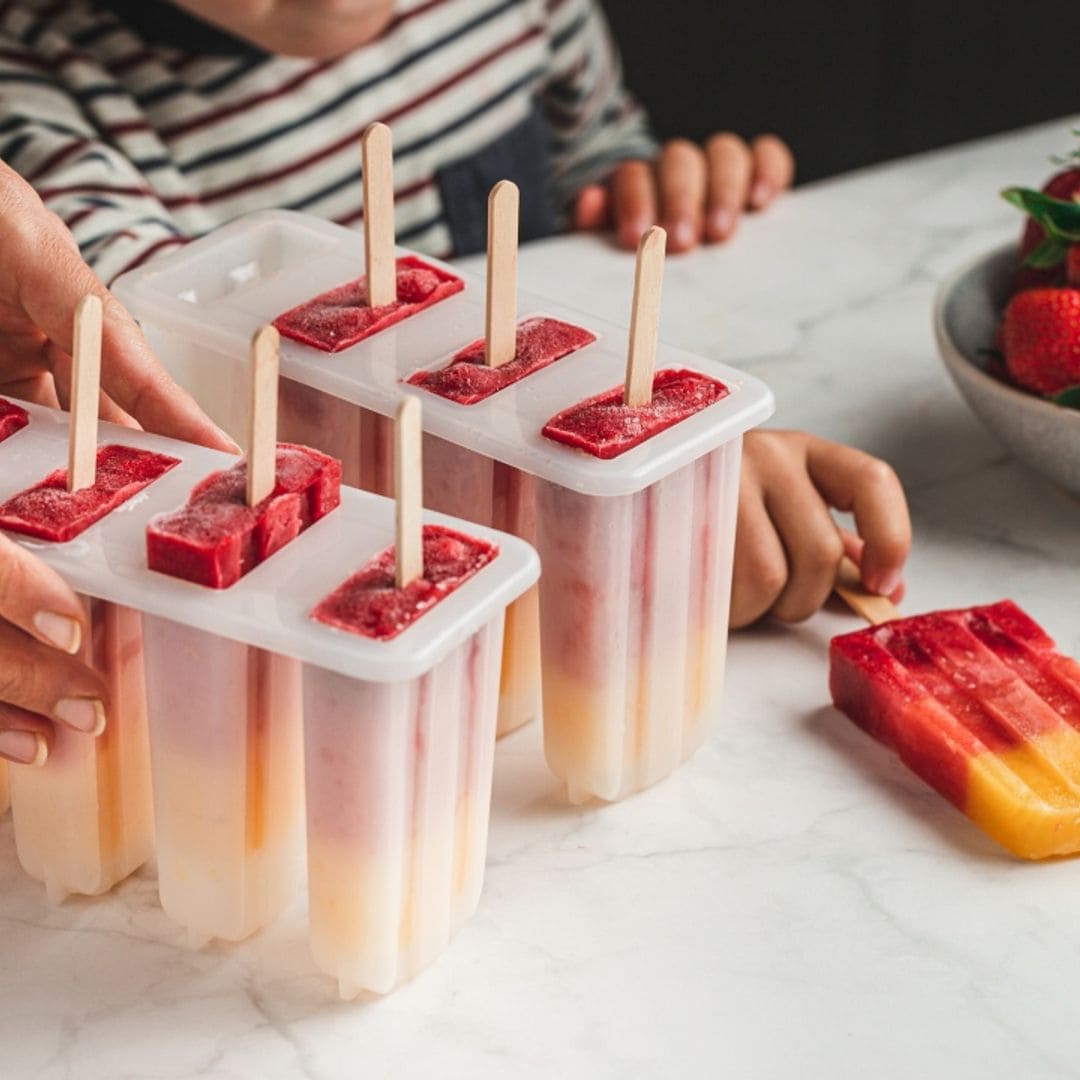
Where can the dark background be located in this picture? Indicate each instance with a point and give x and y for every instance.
(851, 82)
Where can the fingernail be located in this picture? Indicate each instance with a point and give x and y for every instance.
(889, 584)
(721, 222)
(680, 233)
(760, 193)
(60, 631)
(24, 747)
(81, 713)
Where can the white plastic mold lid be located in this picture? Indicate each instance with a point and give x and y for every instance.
(217, 291)
(269, 607)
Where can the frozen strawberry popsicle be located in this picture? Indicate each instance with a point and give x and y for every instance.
(226, 735)
(85, 821)
(399, 778)
(48, 511)
(340, 318)
(12, 418)
(634, 597)
(468, 380)
(605, 427)
(980, 705)
(217, 538)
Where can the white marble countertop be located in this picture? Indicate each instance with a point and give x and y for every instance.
(793, 902)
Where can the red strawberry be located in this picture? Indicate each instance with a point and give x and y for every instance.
(1065, 185)
(1041, 339)
(1072, 266)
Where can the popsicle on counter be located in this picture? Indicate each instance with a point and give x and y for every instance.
(979, 704)
(635, 589)
(84, 821)
(399, 773)
(226, 732)
(12, 418)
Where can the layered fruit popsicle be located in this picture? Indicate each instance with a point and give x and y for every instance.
(342, 317)
(217, 538)
(634, 597)
(979, 704)
(12, 418)
(399, 778)
(464, 484)
(226, 732)
(85, 821)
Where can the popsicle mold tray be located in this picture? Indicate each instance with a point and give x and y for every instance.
(637, 549)
(399, 733)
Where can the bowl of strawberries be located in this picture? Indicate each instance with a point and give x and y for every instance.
(1008, 327)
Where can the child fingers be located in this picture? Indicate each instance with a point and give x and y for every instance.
(633, 196)
(813, 545)
(774, 170)
(592, 209)
(682, 177)
(45, 681)
(761, 569)
(730, 169)
(855, 481)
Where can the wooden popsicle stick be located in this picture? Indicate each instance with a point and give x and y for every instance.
(85, 394)
(500, 337)
(849, 587)
(262, 420)
(377, 148)
(645, 318)
(408, 492)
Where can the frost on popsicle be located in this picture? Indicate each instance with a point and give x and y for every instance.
(12, 418)
(980, 705)
(217, 538)
(605, 426)
(48, 511)
(342, 317)
(370, 603)
(467, 379)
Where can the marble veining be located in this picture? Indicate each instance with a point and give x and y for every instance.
(792, 902)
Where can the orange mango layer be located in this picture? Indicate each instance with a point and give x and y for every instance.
(979, 703)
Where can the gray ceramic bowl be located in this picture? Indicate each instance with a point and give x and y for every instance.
(1045, 436)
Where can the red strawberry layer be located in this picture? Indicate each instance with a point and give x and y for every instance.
(217, 538)
(467, 379)
(49, 511)
(606, 427)
(12, 418)
(370, 603)
(341, 317)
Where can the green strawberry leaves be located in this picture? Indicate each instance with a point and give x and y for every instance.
(1060, 219)
(1069, 398)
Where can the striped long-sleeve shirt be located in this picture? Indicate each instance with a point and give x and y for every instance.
(138, 145)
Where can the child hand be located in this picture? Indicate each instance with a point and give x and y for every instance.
(42, 280)
(41, 683)
(788, 546)
(696, 194)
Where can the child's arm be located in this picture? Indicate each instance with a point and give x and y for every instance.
(608, 168)
(788, 546)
